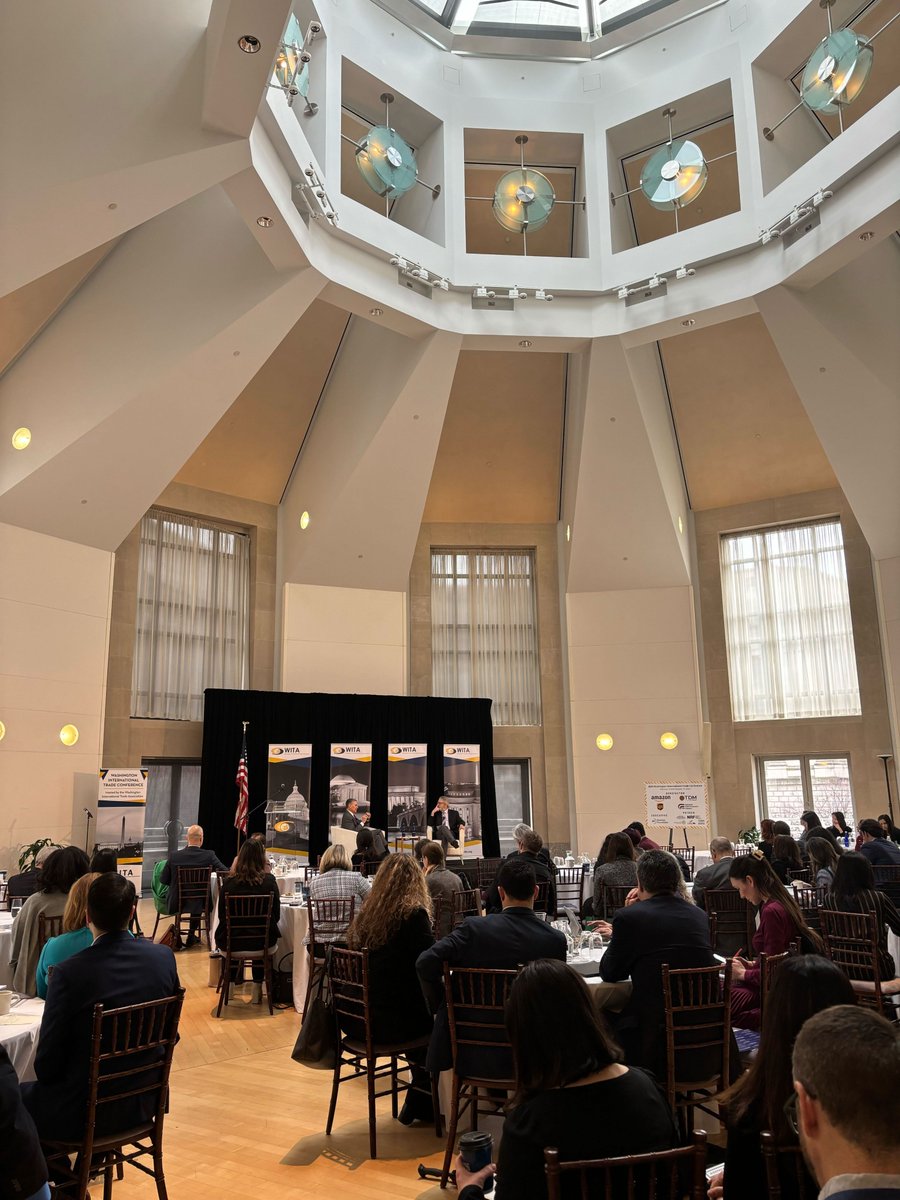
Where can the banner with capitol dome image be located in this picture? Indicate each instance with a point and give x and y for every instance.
(287, 800)
(407, 789)
(459, 808)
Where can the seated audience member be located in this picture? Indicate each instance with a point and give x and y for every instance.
(785, 857)
(394, 925)
(501, 940)
(802, 986)
(59, 872)
(808, 820)
(249, 878)
(766, 838)
(823, 860)
(117, 970)
(824, 834)
(875, 845)
(635, 841)
(418, 847)
(255, 837)
(75, 937)
(337, 880)
(854, 891)
(846, 1068)
(781, 829)
(193, 855)
(889, 828)
(644, 842)
(103, 861)
(26, 883)
(780, 923)
(370, 848)
(616, 868)
(573, 1092)
(658, 927)
(528, 848)
(23, 1171)
(441, 883)
(716, 874)
(519, 832)
(840, 828)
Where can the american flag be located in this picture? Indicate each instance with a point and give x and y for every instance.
(243, 804)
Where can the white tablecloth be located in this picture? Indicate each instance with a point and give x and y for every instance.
(20, 1040)
(5, 948)
(293, 928)
(894, 948)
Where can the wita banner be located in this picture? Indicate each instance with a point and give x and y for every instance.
(287, 803)
(406, 788)
(121, 807)
(351, 778)
(460, 806)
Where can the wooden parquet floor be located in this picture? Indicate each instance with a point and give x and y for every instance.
(247, 1122)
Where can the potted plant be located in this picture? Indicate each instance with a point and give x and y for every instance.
(28, 854)
(749, 837)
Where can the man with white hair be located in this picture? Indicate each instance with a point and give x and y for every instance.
(26, 883)
(716, 874)
(193, 855)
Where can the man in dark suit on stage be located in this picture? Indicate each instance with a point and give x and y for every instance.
(503, 941)
(115, 971)
(350, 820)
(193, 855)
(658, 928)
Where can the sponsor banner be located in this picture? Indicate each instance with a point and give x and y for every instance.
(406, 788)
(121, 807)
(460, 805)
(287, 800)
(677, 804)
(351, 777)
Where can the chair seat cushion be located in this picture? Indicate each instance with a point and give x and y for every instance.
(109, 1142)
(384, 1049)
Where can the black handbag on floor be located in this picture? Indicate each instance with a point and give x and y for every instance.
(316, 1044)
(283, 981)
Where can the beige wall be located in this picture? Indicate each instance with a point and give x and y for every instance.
(343, 640)
(734, 745)
(632, 674)
(54, 626)
(887, 573)
(544, 745)
(127, 741)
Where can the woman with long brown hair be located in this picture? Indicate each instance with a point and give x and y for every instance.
(785, 857)
(250, 878)
(780, 922)
(394, 925)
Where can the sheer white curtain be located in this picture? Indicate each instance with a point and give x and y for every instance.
(484, 631)
(787, 623)
(192, 615)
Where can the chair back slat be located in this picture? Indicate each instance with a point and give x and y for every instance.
(486, 871)
(809, 901)
(464, 903)
(329, 919)
(247, 921)
(687, 853)
(348, 977)
(131, 1053)
(660, 1175)
(785, 1162)
(542, 898)
(193, 886)
(612, 898)
(800, 874)
(48, 927)
(697, 1014)
(729, 915)
(570, 888)
(851, 943)
(476, 1002)
(887, 880)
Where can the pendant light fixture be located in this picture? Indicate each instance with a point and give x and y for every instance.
(835, 73)
(674, 175)
(291, 69)
(524, 198)
(386, 161)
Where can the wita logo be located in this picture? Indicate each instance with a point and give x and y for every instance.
(275, 751)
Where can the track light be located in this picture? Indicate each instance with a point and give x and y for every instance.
(540, 294)
(515, 294)
(685, 273)
(623, 293)
(443, 284)
(482, 293)
(400, 263)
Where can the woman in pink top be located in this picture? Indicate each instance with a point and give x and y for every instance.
(780, 923)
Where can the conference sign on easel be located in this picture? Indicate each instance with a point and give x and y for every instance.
(462, 792)
(677, 805)
(407, 788)
(121, 807)
(287, 803)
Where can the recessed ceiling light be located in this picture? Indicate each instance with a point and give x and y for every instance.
(69, 735)
(689, 322)
(265, 222)
(112, 206)
(867, 236)
(21, 438)
(668, 741)
(526, 343)
(304, 520)
(249, 44)
(376, 312)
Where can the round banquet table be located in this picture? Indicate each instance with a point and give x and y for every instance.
(5, 948)
(19, 1032)
(293, 927)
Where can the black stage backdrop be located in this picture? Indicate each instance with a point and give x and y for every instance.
(323, 718)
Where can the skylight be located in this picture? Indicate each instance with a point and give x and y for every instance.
(574, 20)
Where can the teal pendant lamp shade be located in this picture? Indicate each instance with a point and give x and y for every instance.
(386, 162)
(675, 175)
(523, 200)
(836, 71)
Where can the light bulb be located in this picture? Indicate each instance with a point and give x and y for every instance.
(21, 439)
(304, 520)
(668, 741)
(604, 741)
(69, 735)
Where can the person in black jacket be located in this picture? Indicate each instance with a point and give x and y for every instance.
(23, 1171)
(657, 928)
(117, 970)
(249, 878)
(193, 855)
(573, 1091)
(394, 925)
(503, 941)
(529, 846)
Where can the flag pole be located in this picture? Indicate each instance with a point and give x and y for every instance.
(243, 799)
